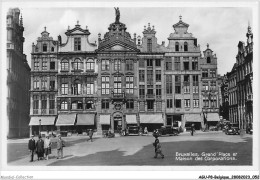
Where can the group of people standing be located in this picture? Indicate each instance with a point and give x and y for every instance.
(43, 147)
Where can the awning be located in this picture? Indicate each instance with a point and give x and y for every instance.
(45, 120)
(131, 119)
(213, 117)
(105, 119)
(192, 117)
(66, 120)
(85, 119)
(151, 118)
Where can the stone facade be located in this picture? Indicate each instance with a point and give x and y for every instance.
(18, 78)
(124, 80)
(210, 87)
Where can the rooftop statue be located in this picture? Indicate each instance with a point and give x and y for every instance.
(117, 14)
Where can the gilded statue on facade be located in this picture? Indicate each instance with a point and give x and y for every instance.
(117, 14)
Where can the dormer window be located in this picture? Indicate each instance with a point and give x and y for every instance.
(139, 41)
(77, 44)
(208, 60)
(44, 48)
(176, 46)
(185, 46)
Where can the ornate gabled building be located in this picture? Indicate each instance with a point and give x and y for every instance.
(43, 91)
(244, 61)
(151, 81)
(232, 95)
(183, 78)
(18, 78)
(118, 82)
(210, 87)
(117, 79)
(77, 81)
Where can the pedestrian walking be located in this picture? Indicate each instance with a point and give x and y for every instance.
(47, 147)
(90, 134)
(192, 129)
(31, 147)
(145, 131)
(40, 148)
(60, 145)
(158, 148)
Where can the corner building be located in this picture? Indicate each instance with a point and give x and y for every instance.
(18, 77)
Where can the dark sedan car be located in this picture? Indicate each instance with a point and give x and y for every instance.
(233, 128)
(134, 130)
(168, 130)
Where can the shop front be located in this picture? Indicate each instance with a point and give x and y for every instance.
(104, 122)
(212, 119)
(195, 119)
(66, 123)
(151, 121)
(42, 125)
(85, 122)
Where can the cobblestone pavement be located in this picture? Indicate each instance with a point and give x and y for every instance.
(138, 150)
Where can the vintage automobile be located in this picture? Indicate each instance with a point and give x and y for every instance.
(249, 129)
(134, 130)
(168, 130)
(233, 128)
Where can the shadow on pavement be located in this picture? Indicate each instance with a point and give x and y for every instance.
(145, 155)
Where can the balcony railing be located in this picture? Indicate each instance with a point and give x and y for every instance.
(150, 96)
(51, 111)
(35, 111)
(44, 111)
(118, 95)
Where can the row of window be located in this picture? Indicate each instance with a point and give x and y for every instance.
(44, 65)
(210, 73)
(177, 64)
(77, 64)
(105, 65)
(45, 48)
(41, 83)
(177, 103)
(105, 84)
(43, 98)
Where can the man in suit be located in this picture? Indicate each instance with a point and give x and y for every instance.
(60, 145)
(31, 147)
(90, 134)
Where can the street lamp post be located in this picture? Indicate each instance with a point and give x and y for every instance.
(40, 127)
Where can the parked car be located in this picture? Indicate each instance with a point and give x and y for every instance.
(168, 130)
(213, 128)
(249, 129)
(233, 128)
(134, 130)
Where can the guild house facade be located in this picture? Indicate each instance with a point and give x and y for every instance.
(18, 78)
(120, 80)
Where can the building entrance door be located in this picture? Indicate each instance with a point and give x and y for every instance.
(118, 124)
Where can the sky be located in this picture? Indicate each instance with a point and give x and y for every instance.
(221, 27)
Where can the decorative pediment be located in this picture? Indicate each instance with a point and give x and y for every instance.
(117, 46)
(181, 24)
(77, 30)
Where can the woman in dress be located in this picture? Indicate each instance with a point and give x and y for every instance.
(40, 148)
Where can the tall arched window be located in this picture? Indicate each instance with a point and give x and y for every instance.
(64, 105)
(77, 64)
(65, 65)
(90, 105)
(77, 105)
(76, 87)
(52, 49)
(185, 46)
(176, 46)
(44, 47)
(90, 64)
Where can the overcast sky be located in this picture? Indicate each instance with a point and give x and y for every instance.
(222, 28)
